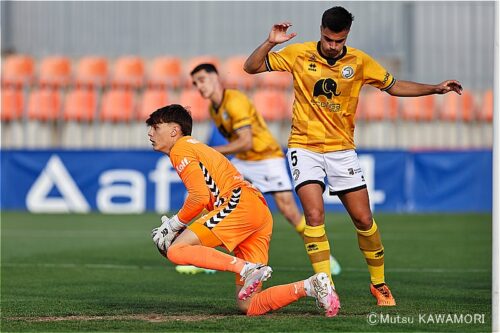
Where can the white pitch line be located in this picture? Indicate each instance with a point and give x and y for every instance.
(277, 268)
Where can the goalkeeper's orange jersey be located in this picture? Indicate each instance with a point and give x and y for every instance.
(326, 93)
(237, 111)
(208, 175)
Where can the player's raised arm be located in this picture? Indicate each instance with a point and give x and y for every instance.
(413, 89)
(255, 63)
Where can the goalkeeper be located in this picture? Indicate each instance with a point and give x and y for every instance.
(238, 219)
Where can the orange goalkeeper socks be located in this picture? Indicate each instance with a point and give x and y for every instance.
(275, 298)
(204, 257)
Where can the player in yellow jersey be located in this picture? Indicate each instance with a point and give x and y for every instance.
(238, 219)
(328, 76)
(258, 156)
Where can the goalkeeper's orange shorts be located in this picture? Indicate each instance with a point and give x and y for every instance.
(243, 225)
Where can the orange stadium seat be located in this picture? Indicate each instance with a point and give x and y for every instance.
(128, 72)
(192, 62)
(279, 80)
(80, 105)
(377, 105)
(55, 71)
(18, 70)
(234, 76)
(152, 99)
(458, 107)
(12, 104)
(165, 72)
(271, 104)
(486, 110)
(117, 105)
(195, 103)
(421, 108)
(92, 71)
(44, 104)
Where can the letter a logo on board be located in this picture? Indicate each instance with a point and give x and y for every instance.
(55, 175)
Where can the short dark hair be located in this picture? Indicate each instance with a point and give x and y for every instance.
(209, 68)
(337, 19)
(173, 113)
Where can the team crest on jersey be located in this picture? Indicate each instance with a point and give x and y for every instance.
(296, 174)
(347, 72)
(225, 116)
(326, 87)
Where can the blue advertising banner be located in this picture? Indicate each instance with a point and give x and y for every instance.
(128, 181)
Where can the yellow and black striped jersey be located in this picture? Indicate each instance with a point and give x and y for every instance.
(326, 93)
(237, 111)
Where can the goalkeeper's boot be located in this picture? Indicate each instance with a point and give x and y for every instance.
(383, 294)
(253, 275)
(335, 268)
(326, 297)
(188, 269)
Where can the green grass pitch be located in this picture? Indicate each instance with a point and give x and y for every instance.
(63, 273)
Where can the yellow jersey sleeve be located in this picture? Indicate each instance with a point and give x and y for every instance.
(283, 59)
(376, 75)
(239, 110)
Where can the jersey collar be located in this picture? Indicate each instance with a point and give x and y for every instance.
(331, 61)
(216, 109)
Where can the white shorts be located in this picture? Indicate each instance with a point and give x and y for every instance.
(340, 168)
(270, 175)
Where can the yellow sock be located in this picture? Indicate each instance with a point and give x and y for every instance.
(371, 246)
(301, 226)
(318, 249)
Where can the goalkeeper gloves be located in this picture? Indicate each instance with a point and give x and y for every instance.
(165, 234)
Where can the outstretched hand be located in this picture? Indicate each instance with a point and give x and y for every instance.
(450, 85)
(278, 33)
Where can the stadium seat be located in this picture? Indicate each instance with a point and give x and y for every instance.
(92, 71)
(195, 61)
(12, 104)
(486, 110)
(375, 105)
(152, 99)
(55, 71)
(271, 104)
(128, 72)
(458, 107)
(279, 80)
(80, 105)
(165, 72)
(18, 70)
(197, 105)
(234, 76)
(44, 104)
(421, 108)
(117, 105)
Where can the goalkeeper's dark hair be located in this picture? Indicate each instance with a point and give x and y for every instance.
(173, 113)
(209, 68)
(337, 19)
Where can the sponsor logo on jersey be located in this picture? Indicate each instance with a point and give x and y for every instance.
(386, 77)
(347, 72)
(184, 163)
(326, 87)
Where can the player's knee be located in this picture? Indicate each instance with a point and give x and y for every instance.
(174, 253)
(315, 217)
(364, 222)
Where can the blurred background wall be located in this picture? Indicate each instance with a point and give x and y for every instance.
(428, 41)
